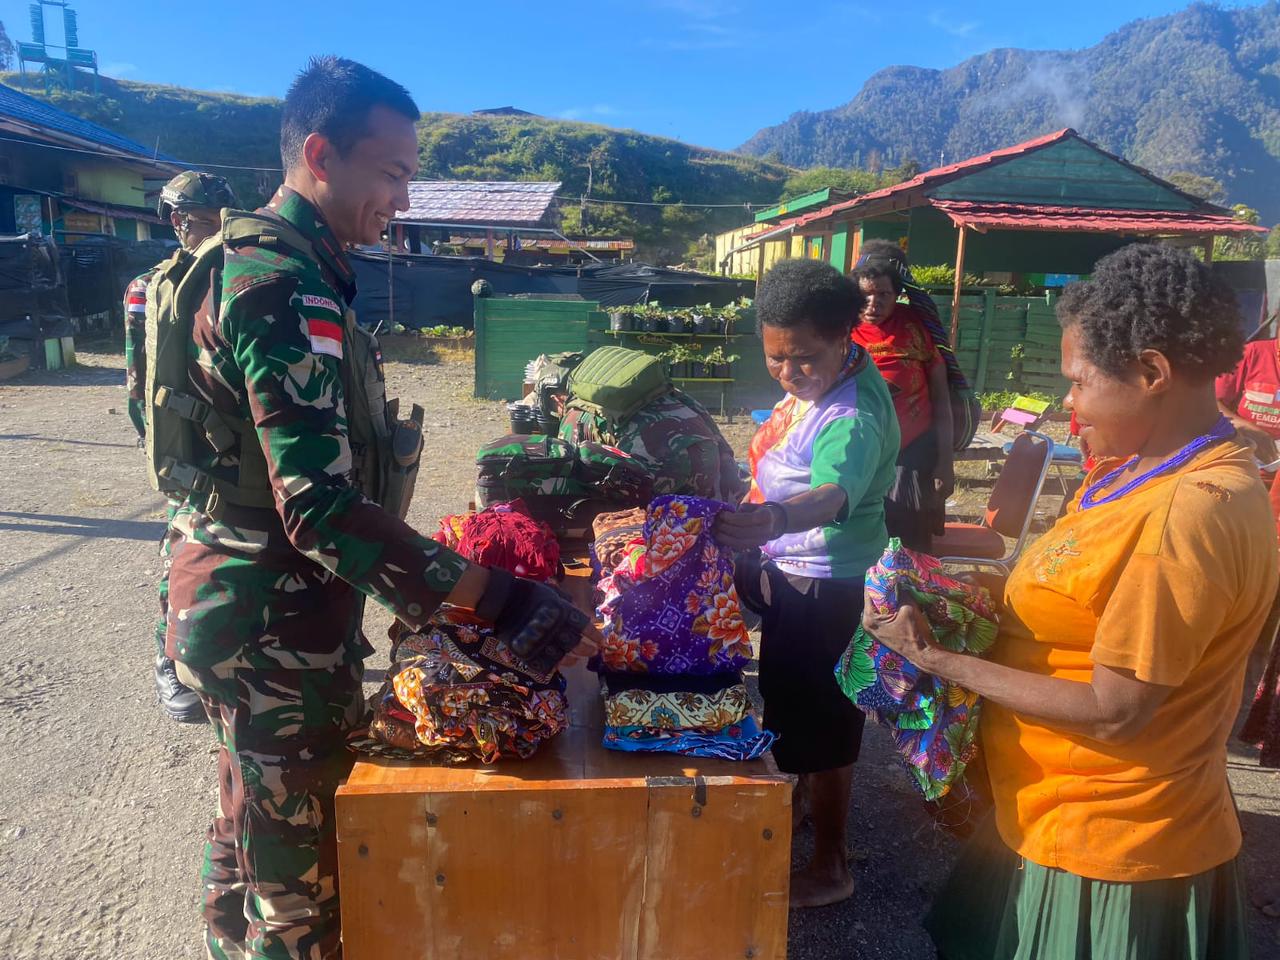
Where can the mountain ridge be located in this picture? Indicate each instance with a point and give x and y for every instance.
(1196, 91)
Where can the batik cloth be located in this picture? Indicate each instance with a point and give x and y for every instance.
(679, 710)
(743, 740)
(612, 535)
(934, 723)
(470, 697)
(673, 608)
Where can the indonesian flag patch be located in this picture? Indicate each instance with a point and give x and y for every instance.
(323, 317)
(326, 337)
(137, 301)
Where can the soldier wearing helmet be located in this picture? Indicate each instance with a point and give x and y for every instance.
(192, 202)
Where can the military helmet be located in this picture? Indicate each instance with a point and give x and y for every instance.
(194, 189)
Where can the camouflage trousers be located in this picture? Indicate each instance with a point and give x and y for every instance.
(270, 866)
(166, 561)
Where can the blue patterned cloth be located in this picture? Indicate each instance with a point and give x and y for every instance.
(738, 741)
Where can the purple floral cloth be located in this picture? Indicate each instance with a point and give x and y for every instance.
(672, 608)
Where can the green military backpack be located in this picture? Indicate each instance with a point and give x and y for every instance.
(606, 388)
(385, 449)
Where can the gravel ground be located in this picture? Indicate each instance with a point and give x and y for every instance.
(107, 801)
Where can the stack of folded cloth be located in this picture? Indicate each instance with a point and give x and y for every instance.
(674, 640)
(934, 723)
(454, 692)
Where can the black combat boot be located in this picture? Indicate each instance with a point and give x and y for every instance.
(178, 701)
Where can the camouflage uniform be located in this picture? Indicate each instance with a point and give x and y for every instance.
(677, 441)
(135, 365)
(265, 605)
(135, 348)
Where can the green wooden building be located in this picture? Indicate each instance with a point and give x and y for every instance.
(1039, 214)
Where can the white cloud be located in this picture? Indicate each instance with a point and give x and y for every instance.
(118, 70)
(948, 24)
(594, 110)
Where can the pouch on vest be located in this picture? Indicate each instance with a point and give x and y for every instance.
(611, 384)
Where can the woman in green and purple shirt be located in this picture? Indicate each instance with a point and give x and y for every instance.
(821, 467)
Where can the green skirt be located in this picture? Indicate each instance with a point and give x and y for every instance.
(997, 906)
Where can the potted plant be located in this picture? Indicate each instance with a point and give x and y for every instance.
(704, 319)
(620, 319)
(719, 364)
(681, 360)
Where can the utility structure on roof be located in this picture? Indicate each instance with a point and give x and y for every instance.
(66, 68)
(1036, 216)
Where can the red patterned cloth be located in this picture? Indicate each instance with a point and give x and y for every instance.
(504, 536)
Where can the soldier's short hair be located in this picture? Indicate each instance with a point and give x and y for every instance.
(798, 292)
(333, 96)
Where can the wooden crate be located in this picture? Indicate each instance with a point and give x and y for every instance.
(579, 852)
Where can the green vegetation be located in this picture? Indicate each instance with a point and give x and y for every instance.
(220, 128)
(998, 400)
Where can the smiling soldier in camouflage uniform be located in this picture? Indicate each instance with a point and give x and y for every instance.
(192, 202)
(277, 542)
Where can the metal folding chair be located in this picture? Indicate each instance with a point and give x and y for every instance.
(1010, 510)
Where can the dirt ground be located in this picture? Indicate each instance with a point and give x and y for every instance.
(106, 801)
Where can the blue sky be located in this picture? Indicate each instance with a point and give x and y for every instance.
(710, 73)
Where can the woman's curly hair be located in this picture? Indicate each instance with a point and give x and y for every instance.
(798, 292)
(1155, 297)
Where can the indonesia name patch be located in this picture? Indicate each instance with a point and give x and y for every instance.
(326, 337)
(324, 303)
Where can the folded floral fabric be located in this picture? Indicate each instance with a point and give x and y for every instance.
(673, 608)
(934, 723)
(743, 740)
(700, 712)
(454, 692)
(470, 697)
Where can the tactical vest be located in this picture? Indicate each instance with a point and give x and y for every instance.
(385, 450)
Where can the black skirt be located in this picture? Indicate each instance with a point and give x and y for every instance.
(806, 624)
(913, 511)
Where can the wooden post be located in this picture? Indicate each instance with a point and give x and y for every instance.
(984, 343)
(955, 290)
(488, 244)
(760, 261)
(1208, 249)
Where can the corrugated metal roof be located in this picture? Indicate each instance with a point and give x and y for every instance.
(1024, 216)
(31, 112)
(482, 202)
(940, 175)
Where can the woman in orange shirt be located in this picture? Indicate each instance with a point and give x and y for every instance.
(1111, 692)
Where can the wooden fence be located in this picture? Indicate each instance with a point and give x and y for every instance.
(1010, 343)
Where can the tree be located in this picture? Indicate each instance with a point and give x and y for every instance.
(1206, 188)
(848, 180)
(1247, 246)
(6, 49)
(1273, 243)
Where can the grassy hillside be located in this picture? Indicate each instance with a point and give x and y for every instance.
(213, 128)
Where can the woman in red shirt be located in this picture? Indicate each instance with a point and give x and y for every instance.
(912, 366)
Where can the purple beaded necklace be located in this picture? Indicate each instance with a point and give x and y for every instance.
(1222, 430)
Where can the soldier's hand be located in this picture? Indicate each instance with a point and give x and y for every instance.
(540, 624)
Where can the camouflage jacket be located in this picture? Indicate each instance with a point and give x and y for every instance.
(135, 347)
(676, 440)
(266, 348)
